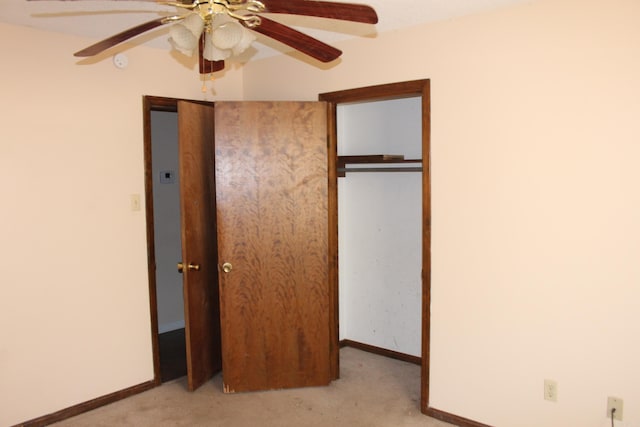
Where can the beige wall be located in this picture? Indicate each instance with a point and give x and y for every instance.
(74, 293)
(536, 207)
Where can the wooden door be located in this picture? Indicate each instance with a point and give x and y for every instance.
(271, 196)
(197, 220)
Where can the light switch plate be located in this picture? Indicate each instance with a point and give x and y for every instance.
(135, 202)
(550, 390)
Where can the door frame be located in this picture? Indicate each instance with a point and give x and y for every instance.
(152, 103)
(149, 104)
(379, 93)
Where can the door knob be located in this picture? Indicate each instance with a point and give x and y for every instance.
(227, 267)
(191, 266)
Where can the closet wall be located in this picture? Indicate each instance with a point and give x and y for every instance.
(166, 212)
(379, 226)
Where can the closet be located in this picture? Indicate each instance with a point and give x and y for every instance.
(379, 148)
(380, 221)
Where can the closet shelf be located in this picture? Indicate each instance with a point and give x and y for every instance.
(376, 159)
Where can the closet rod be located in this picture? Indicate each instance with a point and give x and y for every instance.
(413, 169)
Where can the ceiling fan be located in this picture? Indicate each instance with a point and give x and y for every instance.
(221, 28)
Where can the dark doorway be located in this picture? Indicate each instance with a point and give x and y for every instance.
(173, 355)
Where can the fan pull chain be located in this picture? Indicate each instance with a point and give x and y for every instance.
(206, 79)
(211, 78)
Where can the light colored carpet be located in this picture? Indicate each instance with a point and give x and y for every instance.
(372, 391)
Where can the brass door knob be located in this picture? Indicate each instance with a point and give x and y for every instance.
(227, 267)
(191, 266)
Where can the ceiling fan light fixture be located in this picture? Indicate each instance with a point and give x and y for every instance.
(228, 27)
(184, 35)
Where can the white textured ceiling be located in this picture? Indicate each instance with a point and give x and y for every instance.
(98, 19)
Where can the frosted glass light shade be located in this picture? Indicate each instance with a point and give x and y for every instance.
(247, 38)
(184, 36)
(227, 38)
(224, 36)
(211, 52)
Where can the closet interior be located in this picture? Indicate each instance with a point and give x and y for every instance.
(379, 170)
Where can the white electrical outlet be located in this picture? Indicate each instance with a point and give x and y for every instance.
(550, 390)
(614, 402)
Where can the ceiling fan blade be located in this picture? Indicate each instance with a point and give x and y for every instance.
(323, 9)
(297, 40)
(123, 36)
